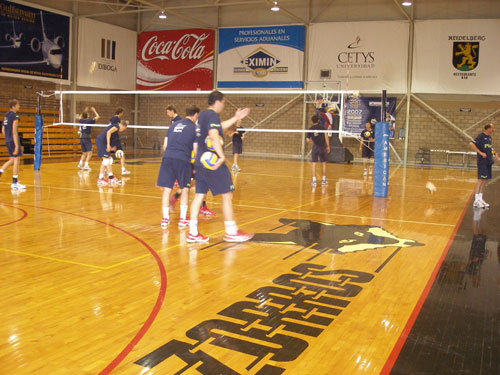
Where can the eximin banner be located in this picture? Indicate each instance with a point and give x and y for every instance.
(457, 57)
(106, 55)
(175, 60)
(261, 57)
(364, 56)
(34, 42)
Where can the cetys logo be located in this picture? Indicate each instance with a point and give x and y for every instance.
(465, 55)
(332, 238)
(259, 63)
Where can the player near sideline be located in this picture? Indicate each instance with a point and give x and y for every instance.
(367, 147)
(176, 163)
(174, 117)
(320, 150)
(116, 120)
(218, 181)
(107, 141)
(9, 129)
(85, 141)
(486, 156)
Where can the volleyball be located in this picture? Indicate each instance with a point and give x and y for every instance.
(430, 187)
(208, 159)
(193, 158)
(367, 134)
(208, 142)
(119, 154)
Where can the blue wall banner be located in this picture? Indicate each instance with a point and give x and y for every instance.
(359, 111)
(34, 42)
(381, 167)
(261, 57)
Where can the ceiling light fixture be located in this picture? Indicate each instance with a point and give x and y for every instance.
(406, 3)
(162, 15)
(275, 7)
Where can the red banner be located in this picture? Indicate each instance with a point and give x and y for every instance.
(175, 60)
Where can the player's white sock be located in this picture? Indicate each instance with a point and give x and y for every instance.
(165, 212)
(1, 170)
(314, 178)
(193, 227)
(184, 210)
(86, 164)
(101, 176)
(324, 177)
(480, 196)
(231, 227)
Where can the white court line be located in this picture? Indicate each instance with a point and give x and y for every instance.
(250, 206)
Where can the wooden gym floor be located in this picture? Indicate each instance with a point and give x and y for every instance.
(332, 283)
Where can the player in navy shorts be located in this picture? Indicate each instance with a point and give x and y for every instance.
(176, 163)
(9, 129)
(367, 146)
(106, 142)
(320, 150)
(85, 140)
(238, 136)
(218, 181)
(486, 156)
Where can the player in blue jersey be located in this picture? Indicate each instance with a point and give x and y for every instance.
(85, 141)
(237, 138)
(486, 156)
(176, 163)
(320, 150)
(218, 180)
(107, 141)
(367, 147)
(9, 129)
(174, 117)
(115, 120)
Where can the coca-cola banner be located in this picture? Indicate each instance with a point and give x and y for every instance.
(175, 60)
(106, 55)
(253, 57)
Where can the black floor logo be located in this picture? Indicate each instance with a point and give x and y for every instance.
(332, 238)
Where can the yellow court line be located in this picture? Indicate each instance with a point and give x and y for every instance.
(210, 235)
(50, 258)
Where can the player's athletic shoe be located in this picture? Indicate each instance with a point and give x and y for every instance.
(486, 205)
(114, 181)
(80, 166)
(236, 168)
(365, 173)
(102, 182)
(324, 182)
(124, 172)
(198, 238)
(172, 201)
(314, 183)
(370, 171)
(479, 204)
(205, 211)
(183, 222)
(16, 186)
(164, 222)
(86, 168)
(238, 237)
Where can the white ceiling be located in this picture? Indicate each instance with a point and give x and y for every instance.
(142, 14)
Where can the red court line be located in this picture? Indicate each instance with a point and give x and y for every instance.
(15, 221)
(159, 301)
(391, 360)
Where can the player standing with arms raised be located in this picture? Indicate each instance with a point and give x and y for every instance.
(218, 181)
(85, 140)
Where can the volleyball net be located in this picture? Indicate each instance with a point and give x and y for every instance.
(276, 126)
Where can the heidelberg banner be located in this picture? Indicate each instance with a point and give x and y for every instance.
(457, 57)
(261, 57)
(175, 60)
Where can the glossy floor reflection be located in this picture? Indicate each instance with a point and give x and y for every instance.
(458, 328)
(328, 285)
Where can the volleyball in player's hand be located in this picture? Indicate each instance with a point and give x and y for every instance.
(119, 154)
(430, 187)
(208, 142)
(208, 159)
